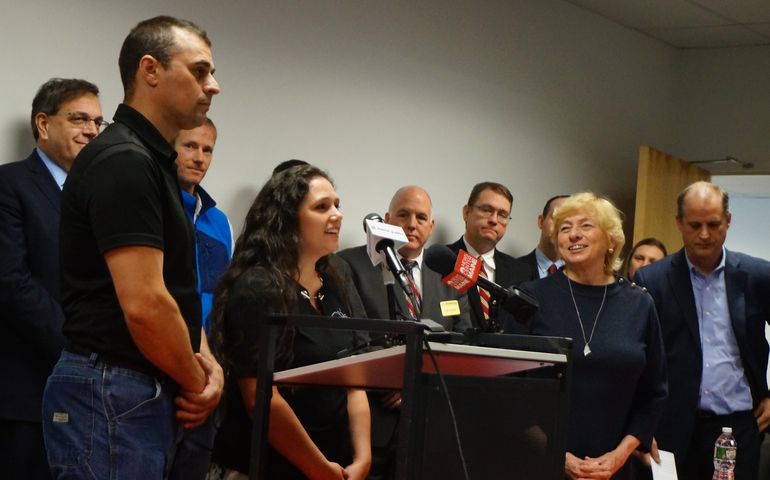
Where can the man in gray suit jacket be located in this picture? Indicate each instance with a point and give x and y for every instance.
(411, 209)
(66, 115)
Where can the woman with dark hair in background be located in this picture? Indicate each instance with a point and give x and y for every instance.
(646, 251)
(281, 265)
(618, 371)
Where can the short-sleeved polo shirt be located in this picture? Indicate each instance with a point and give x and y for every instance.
(122, 191)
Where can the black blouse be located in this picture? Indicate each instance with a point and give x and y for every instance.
(322, 411)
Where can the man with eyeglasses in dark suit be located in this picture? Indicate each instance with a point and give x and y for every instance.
(66, 115)
(486, 217)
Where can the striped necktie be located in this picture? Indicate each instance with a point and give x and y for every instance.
(484, 294)
(414, 310)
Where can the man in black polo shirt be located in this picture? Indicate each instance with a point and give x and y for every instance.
(129, 375)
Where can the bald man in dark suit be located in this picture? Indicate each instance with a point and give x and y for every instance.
(411, 209)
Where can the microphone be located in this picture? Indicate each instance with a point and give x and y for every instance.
(382, 241)
(375, 217)
(374, 256)
(379, 236)
(461, 272)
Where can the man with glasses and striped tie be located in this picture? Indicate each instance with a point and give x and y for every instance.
(486, 217)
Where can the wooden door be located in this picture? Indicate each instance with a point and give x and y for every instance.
(660, 178)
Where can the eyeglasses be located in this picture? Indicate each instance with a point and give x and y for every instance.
(486, 211)
(82, 119)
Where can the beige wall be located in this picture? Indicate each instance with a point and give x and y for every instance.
(539, 95)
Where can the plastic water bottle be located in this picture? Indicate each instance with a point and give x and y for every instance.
(725, 449)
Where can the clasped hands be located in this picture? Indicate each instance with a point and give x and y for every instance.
(593, 468)
(194, 407)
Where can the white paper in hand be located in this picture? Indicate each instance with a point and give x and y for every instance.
(667, 468)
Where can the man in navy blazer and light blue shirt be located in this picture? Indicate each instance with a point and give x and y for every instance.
(544, 259)
(713, 306)
(66, 115)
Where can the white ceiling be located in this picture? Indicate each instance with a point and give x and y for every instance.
(694, 24)
(691, 23)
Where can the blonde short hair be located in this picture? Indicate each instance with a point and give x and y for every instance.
(609, 219)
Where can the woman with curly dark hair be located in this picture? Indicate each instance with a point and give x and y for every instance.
(281, 265)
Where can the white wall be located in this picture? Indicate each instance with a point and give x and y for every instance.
(540, 95)
(723, 104)
(750, 227)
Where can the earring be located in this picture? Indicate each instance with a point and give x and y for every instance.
(611, 251)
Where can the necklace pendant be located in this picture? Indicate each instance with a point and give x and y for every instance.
(586, 350)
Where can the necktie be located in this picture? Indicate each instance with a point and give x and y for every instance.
(552, 269)
(414, 310)
(484, 294)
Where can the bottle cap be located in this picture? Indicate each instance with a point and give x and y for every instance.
(727, 429)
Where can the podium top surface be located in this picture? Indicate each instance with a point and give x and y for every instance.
(384, 369)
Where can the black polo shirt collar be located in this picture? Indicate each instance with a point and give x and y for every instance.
(150, 135)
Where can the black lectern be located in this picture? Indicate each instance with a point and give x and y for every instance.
(509, 392)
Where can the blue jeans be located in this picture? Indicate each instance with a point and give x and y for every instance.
(107, 422)
(193, 453)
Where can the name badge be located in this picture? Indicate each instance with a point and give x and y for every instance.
(450, 308)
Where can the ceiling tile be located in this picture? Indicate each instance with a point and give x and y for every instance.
(740, 11)
(761, 28)
(652, 13)
(709, 37)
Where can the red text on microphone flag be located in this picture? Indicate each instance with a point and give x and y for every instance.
(465, 274)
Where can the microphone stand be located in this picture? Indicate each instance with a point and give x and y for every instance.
(391, 301)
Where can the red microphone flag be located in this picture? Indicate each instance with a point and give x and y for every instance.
(465, 274)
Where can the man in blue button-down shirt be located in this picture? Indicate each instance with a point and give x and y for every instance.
(713, 305)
